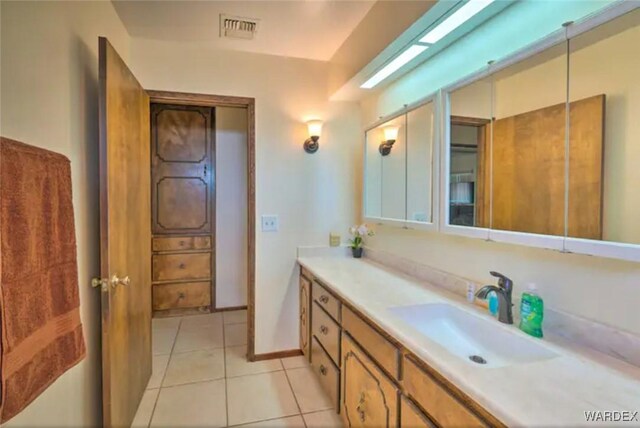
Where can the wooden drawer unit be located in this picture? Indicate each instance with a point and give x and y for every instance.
(386, 354)
(411, 416)
(172, 267)
(327, 300)
(439, 403)
(181, 295)
(184, 243)
(327, 331)
(369, 398)
(305, 316)
(326, 371)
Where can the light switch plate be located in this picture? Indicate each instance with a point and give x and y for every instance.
(270, 223)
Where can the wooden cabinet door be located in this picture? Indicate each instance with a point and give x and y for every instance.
(124, 236)
(369, 398)
(181, 164)
(305, 325)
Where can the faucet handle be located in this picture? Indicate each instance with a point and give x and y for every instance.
(503, 281)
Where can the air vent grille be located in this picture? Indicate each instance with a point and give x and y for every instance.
(235, 27)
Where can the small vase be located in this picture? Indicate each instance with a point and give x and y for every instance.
(357, 252)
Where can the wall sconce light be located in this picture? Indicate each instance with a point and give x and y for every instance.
(390, 136)
(311, 145)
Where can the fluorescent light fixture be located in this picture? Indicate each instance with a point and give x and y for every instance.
(458, 18)
(406, 56)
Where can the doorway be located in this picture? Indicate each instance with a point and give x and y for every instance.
(232, 260)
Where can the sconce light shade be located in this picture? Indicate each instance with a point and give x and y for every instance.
(311, 145)
(391, 133)
(390, 136)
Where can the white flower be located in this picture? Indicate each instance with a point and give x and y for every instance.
(352, 230)
(362, 230)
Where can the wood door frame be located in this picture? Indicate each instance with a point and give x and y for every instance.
(184, 98)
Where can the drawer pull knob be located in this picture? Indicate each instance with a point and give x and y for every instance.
(182, 266)
(181, 295)
(324, 299)
(360, 408)
(323, 370)
(324, 329)
(181, 243)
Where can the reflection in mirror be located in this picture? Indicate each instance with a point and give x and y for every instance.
(420, 163)
(385, 174)
(604, 89)
(469, 162)
(529, 145)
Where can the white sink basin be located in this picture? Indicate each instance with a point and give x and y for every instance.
(465, 335)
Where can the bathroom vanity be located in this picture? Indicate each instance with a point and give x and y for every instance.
(372, 379)
(365, 329)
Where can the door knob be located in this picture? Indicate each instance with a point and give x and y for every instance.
(104, 283)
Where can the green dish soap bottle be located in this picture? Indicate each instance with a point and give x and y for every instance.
(531, 312)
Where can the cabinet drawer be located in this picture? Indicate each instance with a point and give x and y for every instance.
(326, 300)
(326, 371)
(305, 316)
(411, 416)
(171, 267)
(384, 352)
(441, 406)
(181, 243)
(369, 398)
(327, 332)
(182, 295)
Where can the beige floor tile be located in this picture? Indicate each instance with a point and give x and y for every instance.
(309, 393)
(290, 422)
(195, 366)
(199, 337)
(200, 320)
(237, 364)
(235, 317)
(171, 322)
(323, 419)
(159, 367)
(196, 404)
(162, 339)
(258, 397)
(235, 334)
(295, 362)
(145, 409)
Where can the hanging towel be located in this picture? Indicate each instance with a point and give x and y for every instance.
(39, 304)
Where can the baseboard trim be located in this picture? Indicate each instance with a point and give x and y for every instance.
(229, 308)
(279, 354)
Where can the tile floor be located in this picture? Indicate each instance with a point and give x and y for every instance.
(201, 378)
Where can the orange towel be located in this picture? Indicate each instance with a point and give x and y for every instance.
(39, 304)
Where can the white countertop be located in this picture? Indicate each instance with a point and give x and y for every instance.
(552, 392)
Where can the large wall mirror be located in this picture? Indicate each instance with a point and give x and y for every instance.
(399, 174)
(550, 145)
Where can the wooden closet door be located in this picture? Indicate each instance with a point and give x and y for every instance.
(182, 173)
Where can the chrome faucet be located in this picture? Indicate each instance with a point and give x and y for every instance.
(503, 290)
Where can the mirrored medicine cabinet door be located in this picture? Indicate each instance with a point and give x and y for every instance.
(550, 145)
(399, 174)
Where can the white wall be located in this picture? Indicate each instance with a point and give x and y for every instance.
(601, 289)
(312, 194)
(231, 207)
(49, 87)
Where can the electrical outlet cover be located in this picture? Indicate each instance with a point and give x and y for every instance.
(270, 223)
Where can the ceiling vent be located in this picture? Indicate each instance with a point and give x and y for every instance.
(235, 27)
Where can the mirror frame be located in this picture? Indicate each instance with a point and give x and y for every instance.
(609, 249)
(433, 225)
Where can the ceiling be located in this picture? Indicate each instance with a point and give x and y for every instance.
(302, 29)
